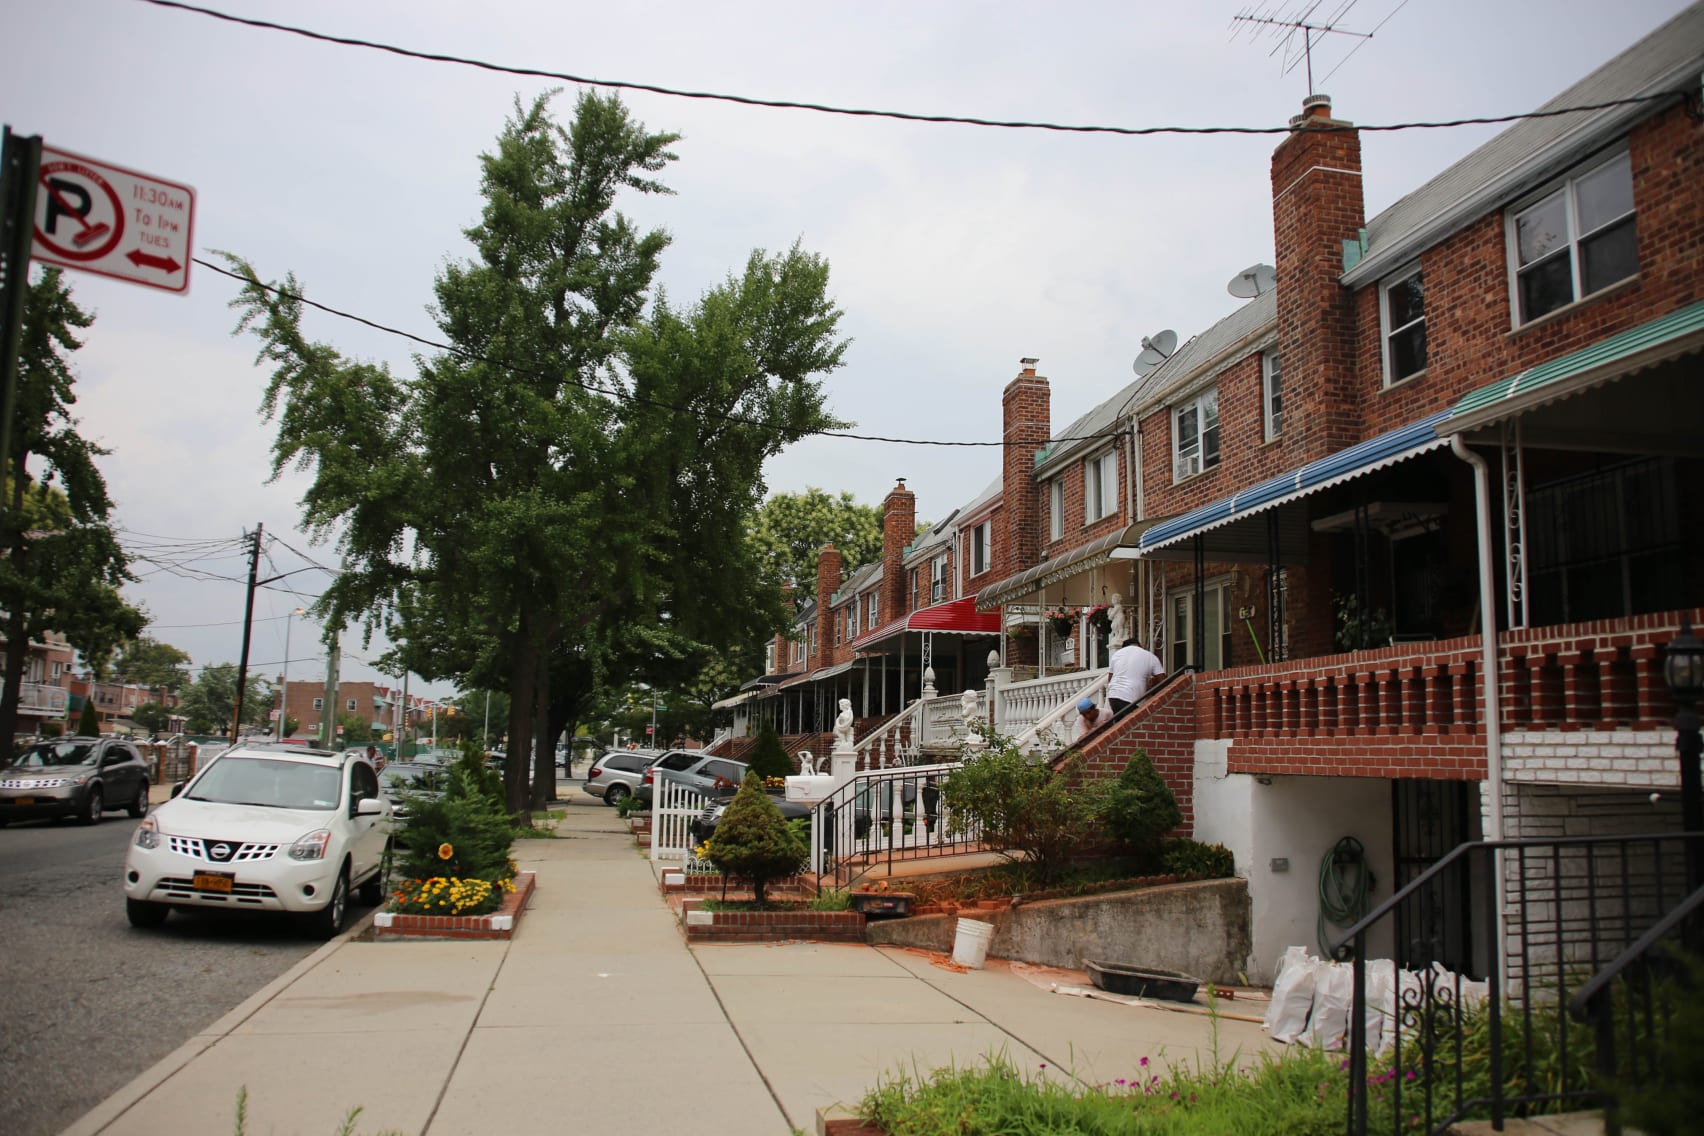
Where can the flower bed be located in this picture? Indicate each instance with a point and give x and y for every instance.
(499, 924)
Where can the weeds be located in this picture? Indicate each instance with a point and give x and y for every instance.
(347, 1128)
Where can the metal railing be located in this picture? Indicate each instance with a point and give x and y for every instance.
(1629, 1003)
(885, 815)
(1541, 917)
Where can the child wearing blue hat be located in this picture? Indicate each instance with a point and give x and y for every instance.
(1088, 717)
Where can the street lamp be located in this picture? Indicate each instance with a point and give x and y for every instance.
(284, 693)
(1683, 670)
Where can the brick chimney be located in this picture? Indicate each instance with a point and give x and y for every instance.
(1025, 412)
(1316, 206)
(828, 582)
(899, 525)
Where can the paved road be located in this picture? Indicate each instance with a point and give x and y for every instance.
(86, 1001)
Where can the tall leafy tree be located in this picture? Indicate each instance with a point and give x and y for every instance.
(580, 465)
(790, 529)
(63, 565)
(209, 702)
(148, 662)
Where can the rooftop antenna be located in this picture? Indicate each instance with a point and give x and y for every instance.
(1255, 280)
(1156, 349)
(1270, 20)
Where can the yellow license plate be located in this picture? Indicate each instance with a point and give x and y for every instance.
(214, 881)
(23, 800)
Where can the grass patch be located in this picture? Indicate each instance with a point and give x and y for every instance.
(831, 899)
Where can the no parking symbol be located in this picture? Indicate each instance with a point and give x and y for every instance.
(104, 218)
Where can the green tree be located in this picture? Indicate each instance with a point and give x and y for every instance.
(543, 497)
(155, 665)
(356, 730)
(151, 716)
(754, 841)
(208, 703)
(1139, 807)
(789, 530)
(63, 565)
(768, 756)
(1021, 806)
(89, 722)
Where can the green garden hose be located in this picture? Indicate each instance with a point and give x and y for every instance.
(1345, 890)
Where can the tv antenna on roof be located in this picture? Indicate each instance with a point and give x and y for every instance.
(1155, 350)
(1252, 281)
(1268, 20)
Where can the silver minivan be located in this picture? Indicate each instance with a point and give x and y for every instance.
(616, 774)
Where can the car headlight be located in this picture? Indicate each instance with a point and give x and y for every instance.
(147, 834)
(312, 846)
(79, 779)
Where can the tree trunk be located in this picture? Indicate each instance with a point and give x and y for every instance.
(544, 749)
(522, 691)
(17, 652)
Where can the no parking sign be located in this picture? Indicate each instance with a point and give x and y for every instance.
(117, 222)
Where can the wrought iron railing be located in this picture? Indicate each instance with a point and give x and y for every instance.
(1629, 1005)
(881, 816)
(1551, 913)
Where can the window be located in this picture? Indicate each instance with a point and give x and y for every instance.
(916, 582)
(58, 669)
(870, 612)
(938, 579)
(1404, 315)
(981, 551)
(1216, 623)
(319, 704)
(1055, 509)
(350, 706)
(1195, 435)
(1100, 486)
(1607, 543)
(1576, 240)
(798, 649)
(1271, 395)
(849, 621)
(810, 639)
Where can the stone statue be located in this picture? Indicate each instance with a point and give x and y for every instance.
(972, 722)
(843, 727)
(967, 704)
(1120, 620)
(807, 763)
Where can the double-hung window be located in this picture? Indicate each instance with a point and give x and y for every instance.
(981, 550)
(1056, 509)
(1404, 315)
(1271, 395)
(1576, 240)
(1100, 486)
(1195, 435)
(938, 580)
(870, 611)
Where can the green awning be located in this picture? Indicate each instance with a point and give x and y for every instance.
(1648, 345)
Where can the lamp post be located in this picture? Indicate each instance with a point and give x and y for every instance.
(1683, 670)
(284, 684)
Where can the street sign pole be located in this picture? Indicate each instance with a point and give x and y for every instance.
(20, 166)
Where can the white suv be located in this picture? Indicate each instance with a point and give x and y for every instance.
(264, 827)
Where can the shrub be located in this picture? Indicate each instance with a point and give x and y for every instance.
(470, 819)
(754, 841)
(1139, 806)
(1671, 1098)
(832, 900)
(768, 756)
(89, 723)
(1189, 860)
(1022, 805)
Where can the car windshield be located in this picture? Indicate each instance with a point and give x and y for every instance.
(269, 782)
(43, 754)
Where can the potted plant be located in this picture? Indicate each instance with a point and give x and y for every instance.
(1061, 620)
(1100, 619)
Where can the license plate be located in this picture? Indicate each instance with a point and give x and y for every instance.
(23, 801)
(215, 881)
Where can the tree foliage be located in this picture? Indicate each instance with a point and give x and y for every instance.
(63, 565)
(209, 702)
(151, 716)
(148, 662)
(1023, 806)
(468, 817)
(89, 721)
(754, 841)
(768, 756)
(556, 506)
(1139, 807)
(790, 529)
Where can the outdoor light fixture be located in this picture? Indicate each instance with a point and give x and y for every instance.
(1683, 665)
(1683, 670)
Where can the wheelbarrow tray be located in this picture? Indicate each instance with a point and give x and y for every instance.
(1143, 982)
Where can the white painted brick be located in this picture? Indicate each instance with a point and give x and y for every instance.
(700, 919)
(502, 922)
(383, 919)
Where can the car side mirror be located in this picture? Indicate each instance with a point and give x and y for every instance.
(178, 788)
(369, 806)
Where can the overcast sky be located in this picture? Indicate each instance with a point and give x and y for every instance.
(954, 250)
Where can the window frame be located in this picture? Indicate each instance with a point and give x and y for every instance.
(982, 548)
(938, 579)
(1100, 485)
(1567, 187)
(1180, 639)
(870, 610)
(1387, 330)
(1200, 403)
(1056, 509)
(1271, 395)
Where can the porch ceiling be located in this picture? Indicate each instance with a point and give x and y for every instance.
(1065, 565)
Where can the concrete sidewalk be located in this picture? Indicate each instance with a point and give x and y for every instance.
(598, 1018)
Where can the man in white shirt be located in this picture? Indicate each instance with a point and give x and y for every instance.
(1133, 665)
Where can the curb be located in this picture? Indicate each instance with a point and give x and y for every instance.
(120, 1102)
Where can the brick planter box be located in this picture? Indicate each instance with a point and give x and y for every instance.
(499, 924)
(770, 926)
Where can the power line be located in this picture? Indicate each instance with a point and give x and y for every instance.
(736, 419)
(864, 112)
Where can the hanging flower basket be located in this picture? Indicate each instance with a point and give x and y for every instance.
(1100, 619)
(1061, 626)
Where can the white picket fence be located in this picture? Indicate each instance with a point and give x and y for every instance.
(673, 805)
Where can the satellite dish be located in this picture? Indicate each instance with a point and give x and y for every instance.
(1155, 350)
(1252, 281)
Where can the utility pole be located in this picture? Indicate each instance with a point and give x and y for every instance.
(248, 621)
(328, 720)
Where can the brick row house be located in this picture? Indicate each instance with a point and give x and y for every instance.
(1410, 528)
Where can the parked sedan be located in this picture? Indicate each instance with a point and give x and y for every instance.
(414, 778)
(80, 777)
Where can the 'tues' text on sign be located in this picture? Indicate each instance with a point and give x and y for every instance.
(104, 218)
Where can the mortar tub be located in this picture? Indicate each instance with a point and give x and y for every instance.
(1143, 982)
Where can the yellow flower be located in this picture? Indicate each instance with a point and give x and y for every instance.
(445, 851)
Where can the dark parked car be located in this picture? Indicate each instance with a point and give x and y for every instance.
(616, 774)
(80, 777)
(415, 778)
(703, 826)
(703, 771)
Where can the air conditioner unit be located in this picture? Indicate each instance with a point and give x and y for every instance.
(1186, 465)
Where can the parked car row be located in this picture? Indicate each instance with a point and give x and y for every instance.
(617, 774)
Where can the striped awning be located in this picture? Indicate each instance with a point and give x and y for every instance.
(959, 616)
(1061, 567)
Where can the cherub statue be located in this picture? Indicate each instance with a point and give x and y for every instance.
(807, 763)
(843, 726)
(967, 704)
(1120, 620)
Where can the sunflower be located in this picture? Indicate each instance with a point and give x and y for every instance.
(445, 851)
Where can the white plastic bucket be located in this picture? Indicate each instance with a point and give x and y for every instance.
(970, 945)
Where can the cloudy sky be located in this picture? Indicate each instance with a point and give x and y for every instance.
(955, 250)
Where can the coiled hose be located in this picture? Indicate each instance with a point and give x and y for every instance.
(1345, 890)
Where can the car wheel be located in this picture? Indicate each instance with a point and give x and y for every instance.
(327, 923)
(141, 913)
(616, 794)
(139, 807)
(93, 807)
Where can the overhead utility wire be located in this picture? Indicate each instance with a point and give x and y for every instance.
(865, 112)
(737, 419)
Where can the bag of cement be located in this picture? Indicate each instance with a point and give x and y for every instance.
(1334, 997)
(1292, 994)
(1380, 1020)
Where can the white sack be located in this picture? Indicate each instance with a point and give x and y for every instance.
(1292, 994)
(1381, 1005)
(1334, 997)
